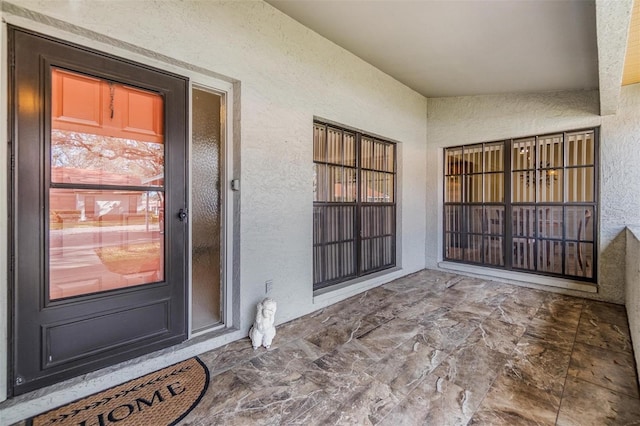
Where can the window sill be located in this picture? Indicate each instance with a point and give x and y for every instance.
(519, 277)
(335, 293)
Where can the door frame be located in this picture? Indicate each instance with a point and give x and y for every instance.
(40, 326)
(227, 194)
(230, 233)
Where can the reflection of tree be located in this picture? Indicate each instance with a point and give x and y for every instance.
(116, 155)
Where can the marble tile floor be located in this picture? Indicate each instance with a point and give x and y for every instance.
(433, 348)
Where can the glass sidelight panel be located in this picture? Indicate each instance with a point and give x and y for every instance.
(205, 210)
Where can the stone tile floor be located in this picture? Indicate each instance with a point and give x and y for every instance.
(436, 349)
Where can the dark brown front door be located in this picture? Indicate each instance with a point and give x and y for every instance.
(98, 197)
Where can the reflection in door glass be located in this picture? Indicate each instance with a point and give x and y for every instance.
(106, 200)
(103, 240)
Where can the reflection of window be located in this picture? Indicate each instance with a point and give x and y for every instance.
(354, 204)
(540, 216)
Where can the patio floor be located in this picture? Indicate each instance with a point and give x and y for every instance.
(438, 349)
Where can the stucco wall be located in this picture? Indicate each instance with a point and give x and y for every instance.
(464, 120)
(632, 293)
(287, 74)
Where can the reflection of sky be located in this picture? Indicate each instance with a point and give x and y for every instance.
(110, 154)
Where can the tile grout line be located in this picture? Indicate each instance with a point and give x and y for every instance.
(500, 373)
(564, 385)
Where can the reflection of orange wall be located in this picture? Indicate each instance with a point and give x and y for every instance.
(89, 176)
(64, 199)
(89, 105)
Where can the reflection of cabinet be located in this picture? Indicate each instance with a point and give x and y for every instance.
(84, 104)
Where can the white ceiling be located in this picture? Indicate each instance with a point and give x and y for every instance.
(464, 47)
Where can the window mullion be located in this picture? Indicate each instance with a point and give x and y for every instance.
(508, 208)
(358, 208)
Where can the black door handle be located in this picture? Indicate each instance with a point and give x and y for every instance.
(183, 215)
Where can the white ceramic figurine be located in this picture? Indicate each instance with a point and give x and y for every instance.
(263, 331)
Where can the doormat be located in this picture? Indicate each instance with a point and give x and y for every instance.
(161, 398)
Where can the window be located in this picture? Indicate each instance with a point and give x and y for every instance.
(354, 210)
(524, 204)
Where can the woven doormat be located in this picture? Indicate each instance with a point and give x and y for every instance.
(161, 398)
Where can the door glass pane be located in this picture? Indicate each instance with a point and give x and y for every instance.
(104, 134)
(104, 240)
(85, 158)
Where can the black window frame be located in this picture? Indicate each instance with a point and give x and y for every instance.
(368, 226)
(536, 237)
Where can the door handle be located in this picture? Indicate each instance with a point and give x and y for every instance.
(183, 215)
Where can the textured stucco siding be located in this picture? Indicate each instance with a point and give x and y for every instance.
(633, 288)
(619, 188)
(464, 120)
(285, 75)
